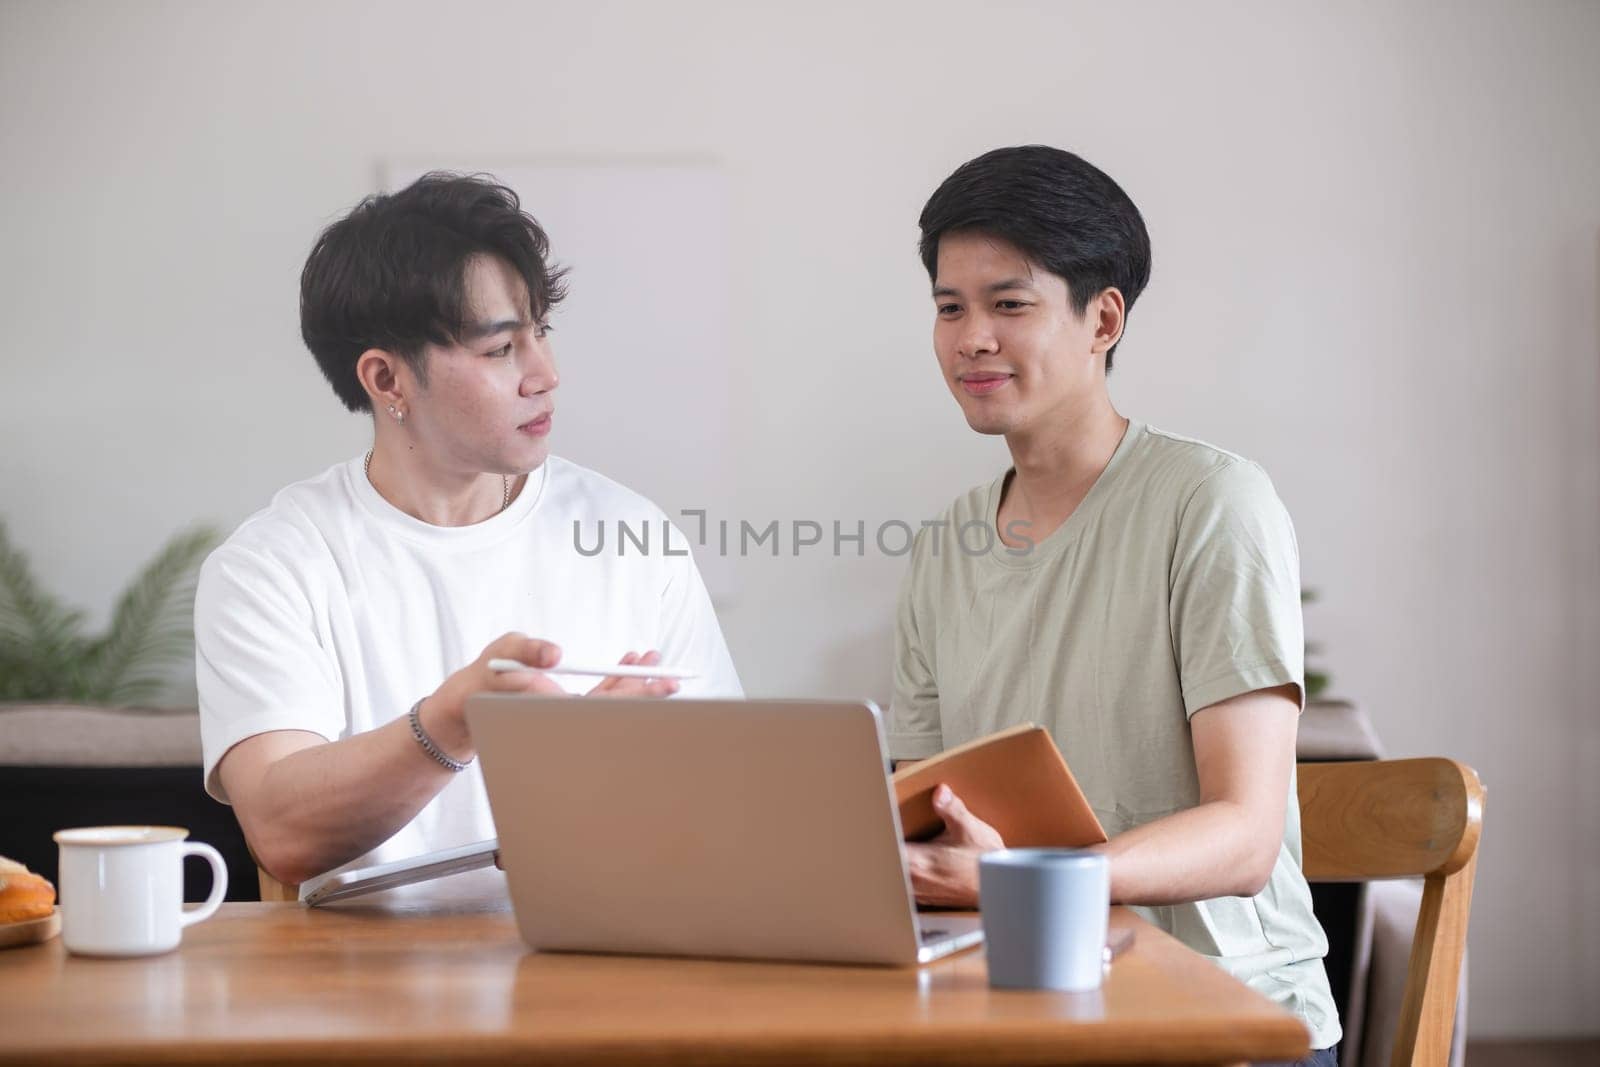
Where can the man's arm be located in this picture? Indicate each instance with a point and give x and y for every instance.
(1225, 845)
(307, 805)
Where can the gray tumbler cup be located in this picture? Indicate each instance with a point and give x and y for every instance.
(1045, 913)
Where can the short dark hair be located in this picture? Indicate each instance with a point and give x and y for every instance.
(392, 273)
(1061, 211)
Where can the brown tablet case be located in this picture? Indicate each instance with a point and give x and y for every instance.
(1014, 780)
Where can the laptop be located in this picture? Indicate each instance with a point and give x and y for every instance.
(747, 829)
(342, 885)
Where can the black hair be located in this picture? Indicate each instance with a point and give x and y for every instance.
(1061, 211)
(392, 273)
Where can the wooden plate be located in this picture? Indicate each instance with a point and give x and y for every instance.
(30, 931)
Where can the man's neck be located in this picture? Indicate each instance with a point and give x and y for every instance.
(431, 493)
(1057, 464)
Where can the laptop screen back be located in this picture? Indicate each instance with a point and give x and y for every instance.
(754, 829)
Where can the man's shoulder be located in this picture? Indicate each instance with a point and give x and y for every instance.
(974, 503)
(971, 506)
(1171, 468)
(297, 524)
(589, 495)
(1187, 456)
(306, 519)
(1204, 488)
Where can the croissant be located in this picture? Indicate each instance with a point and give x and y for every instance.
(23, 894)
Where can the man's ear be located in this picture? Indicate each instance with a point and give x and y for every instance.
(385, 377)
(1109, 313)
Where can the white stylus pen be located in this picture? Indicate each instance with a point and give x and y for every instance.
(619, 670)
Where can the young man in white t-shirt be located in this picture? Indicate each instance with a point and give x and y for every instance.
(340, 630)
(1135, 591)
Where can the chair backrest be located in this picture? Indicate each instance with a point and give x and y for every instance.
(1402, 819)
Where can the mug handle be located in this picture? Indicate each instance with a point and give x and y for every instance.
(219, 883)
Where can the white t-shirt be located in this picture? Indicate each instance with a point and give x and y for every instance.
(333, 611)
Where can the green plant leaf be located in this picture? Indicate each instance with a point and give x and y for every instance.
(1316, 681)
(28, 613)
(152, 624)
(41, 640)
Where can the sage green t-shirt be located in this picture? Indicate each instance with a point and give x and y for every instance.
(1173, 586)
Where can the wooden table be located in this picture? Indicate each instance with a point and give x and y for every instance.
(451, 982)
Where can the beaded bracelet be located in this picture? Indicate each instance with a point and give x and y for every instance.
(427, 742)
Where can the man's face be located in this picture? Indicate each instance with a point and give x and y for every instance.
(1013, 353)
(488, 404)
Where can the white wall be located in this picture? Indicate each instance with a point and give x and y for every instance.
(1377, 241)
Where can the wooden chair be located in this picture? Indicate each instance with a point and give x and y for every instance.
(273, 890)
(1403, 819)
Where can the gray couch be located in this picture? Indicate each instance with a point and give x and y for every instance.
(70, 765)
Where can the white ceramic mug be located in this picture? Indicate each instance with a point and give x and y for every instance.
(122, 888)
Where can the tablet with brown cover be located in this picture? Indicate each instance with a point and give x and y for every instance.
(1015, 780)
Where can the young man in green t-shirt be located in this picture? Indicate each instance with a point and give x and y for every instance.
(1134, 591)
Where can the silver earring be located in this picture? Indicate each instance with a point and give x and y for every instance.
(399, 416)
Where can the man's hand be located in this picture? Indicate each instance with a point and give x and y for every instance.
(637, 687)
(443, 715)
(308, 804)
(944, 871)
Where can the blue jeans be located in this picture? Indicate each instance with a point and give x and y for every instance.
(1320, 1057)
